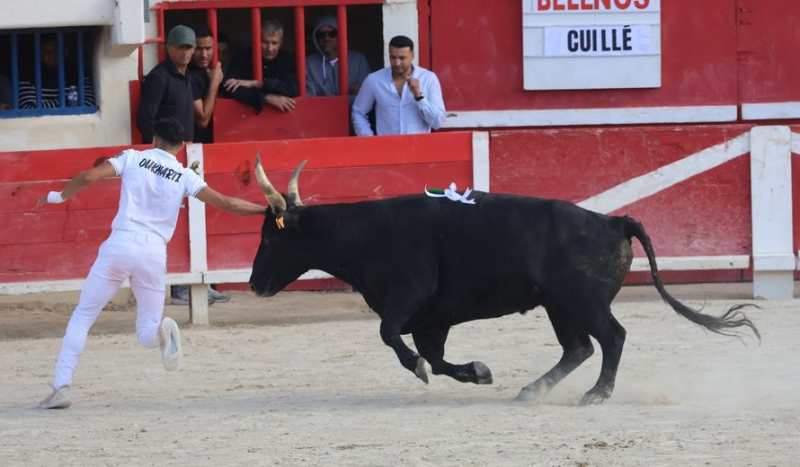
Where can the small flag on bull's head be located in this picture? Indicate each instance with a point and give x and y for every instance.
(451, 194)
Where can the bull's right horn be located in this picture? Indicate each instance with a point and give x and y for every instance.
(274, 198)
(294, 193)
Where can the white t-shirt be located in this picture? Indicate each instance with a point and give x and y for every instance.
(154, 184)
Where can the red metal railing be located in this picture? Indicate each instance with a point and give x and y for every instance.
(255, 6)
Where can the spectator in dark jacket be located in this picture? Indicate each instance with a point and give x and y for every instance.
(167, 90)
(279, 83)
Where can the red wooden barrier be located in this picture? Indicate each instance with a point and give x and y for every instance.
(60, 241)
(339, 170)
(707, 214)
(313, 117)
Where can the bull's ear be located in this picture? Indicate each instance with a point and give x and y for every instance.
(290, 220)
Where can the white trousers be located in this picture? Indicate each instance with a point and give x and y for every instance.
(140, 257)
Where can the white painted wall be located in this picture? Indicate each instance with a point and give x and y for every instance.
(400, 18)
(115, 65)
(56, 13)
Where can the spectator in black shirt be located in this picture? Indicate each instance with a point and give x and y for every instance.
(224, 51)
(279, 83)
(205, 84)
(167, 91)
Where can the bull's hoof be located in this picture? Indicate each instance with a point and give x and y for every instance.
(594, 398)
(483, 375)
(420, 371)
(528, 394)
(536, 391)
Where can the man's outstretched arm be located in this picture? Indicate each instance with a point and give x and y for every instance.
(230, 204)
(79, 182)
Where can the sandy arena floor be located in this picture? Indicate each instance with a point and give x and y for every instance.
(304, 379)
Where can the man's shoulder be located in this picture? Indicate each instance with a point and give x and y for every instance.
(314, 57)
(386, 71)
(160, 72)
(284, 58)
(355, 55)
(198, 75)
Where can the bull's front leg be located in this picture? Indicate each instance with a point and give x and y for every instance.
(390, 333)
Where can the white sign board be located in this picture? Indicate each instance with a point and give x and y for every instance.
(591, 44)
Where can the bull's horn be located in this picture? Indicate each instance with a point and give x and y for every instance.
(275, 199)
(294, 193)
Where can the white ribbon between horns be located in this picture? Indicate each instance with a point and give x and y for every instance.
(452, 194)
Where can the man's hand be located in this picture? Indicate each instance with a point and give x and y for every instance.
(282, 103)
(4, 106)
(215, 74)
(54, 197)
(413, 86)
(232, 85)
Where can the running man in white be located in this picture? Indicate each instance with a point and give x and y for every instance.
(154, 184)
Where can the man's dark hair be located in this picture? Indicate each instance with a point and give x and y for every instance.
(201, 30)
(223, 38)
(170, 131)
(401, 42)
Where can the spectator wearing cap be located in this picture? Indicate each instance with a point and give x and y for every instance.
(167, 89)
(322, 67)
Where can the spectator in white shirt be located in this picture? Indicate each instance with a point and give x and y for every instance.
(407, 99)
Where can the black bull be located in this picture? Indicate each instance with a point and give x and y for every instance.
(426, 264)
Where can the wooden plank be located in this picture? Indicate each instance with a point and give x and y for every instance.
(21, 197)
(340, 152)
(312, 117)
(61, 164)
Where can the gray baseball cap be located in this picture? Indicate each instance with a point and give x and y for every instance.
(182, 35)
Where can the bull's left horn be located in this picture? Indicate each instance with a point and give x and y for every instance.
(274, 198)
(294, 193)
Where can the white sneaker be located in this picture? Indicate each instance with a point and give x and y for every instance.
(170, 340)
(59, 399)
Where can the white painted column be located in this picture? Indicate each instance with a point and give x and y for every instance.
(400, 18)
(771, 192)
(198, 311)
(480, 160)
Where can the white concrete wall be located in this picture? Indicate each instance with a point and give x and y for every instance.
(400, 18)
(56, 13)
(115, 65)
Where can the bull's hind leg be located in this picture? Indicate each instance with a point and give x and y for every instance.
(430, 344)
(577, 348)
(401, 304)
(611, 337)
(390, 334)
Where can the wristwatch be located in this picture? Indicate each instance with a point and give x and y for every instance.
(420, 97)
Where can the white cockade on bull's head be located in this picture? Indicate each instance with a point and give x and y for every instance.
(452, 194)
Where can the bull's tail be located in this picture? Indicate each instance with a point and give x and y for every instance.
(732, 318)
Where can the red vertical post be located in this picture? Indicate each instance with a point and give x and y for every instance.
(300, 48)
(141, 63)
(341, 15)
(255, 26)
(212, 25)
(424, 39)
(162, 48)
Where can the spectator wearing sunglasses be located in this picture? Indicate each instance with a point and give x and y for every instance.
(322, 67)
(407, 99)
